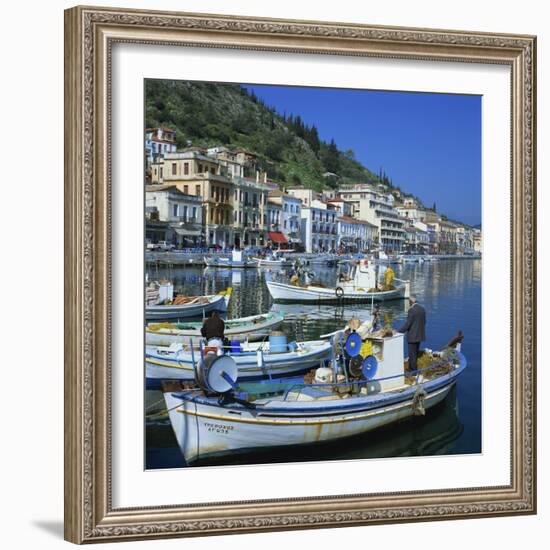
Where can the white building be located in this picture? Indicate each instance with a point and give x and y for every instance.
(307, 196)
(319, 227)
(291, 215)
(158, 142)
(249, 201)
(182, 212)
(376, 207)
(356, 235)
(344, 208)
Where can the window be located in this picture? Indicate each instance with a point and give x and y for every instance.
(200, 168)
(186, 189)
(185, 212)
(198, 190)
(236, 194)
(175, 210)
(161, 172)
(174, 168)
(186, 168)
(195, 213)
(212, 192)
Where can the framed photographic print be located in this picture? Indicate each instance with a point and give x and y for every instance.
(300, 274)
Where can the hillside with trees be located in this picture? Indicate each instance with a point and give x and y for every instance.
(288, 149)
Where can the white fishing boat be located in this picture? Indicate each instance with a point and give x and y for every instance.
(253, 360)
(162, 304)
(252, 328)
(237, 261)
(412, 259)
(273, 260)
(360, 286)
(380, 257)
(226, 417)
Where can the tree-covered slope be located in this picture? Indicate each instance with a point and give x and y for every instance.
(290, 151)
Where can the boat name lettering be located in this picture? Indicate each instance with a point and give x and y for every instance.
(218, 428)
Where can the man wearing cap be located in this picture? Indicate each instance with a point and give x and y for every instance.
(415, 328)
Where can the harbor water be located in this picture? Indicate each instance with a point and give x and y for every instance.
(450, 291)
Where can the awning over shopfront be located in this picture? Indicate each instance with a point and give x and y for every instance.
(277, 237)
(184, 232)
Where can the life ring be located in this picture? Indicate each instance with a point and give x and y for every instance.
(339, 292)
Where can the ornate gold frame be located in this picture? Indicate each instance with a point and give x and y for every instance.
(89, 35)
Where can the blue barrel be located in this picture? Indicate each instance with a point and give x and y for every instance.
(277, 342)
(235, 346)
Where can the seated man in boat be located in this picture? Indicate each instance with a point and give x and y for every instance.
(213, 330)
(415, 328)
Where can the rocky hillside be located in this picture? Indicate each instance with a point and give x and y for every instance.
(290, 151)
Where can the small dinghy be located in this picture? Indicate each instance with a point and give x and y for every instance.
(237, 261)
(271, 359)
(360, 286)
(253, 328)
(161, 303)
(366, 387)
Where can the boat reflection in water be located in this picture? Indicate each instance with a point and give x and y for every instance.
(430, 435)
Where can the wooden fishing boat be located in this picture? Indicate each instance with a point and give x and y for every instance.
(184, 307)
(226, 417)
(360, 286)
(252, 328)
(254, 360)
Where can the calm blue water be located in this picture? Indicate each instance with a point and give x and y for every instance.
(450, 290)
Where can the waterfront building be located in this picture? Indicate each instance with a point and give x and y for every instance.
(477, 241)
(409, 209)
(373, 205)
(291, 215)
(319, 227)
(182, 213)
(344, 208)
(249, 205)
(356, 235)
(195, 173)
(417, 238)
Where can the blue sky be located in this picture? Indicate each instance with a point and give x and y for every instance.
(428, 144)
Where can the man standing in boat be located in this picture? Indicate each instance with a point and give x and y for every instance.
(415, 328)
(213, 330)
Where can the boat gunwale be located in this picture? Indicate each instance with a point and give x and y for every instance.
(367, 402)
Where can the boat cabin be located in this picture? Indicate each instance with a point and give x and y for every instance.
(362, 277)
(388, 351)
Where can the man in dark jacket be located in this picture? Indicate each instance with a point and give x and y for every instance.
(213, 329)
(415, 328)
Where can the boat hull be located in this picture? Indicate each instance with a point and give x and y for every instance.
(237, 329)
(185, 311)
(282, 292)
(229, 264)
(180, 366)
(205, 431)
